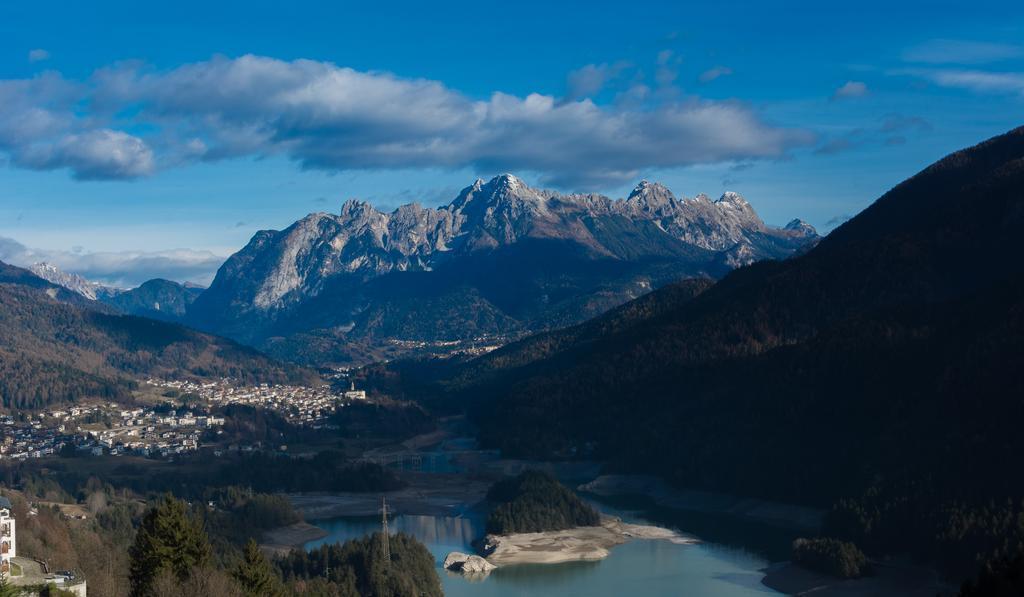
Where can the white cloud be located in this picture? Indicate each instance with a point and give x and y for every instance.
(41, 128)
(592, 78)
(951, 51)
(35, 109)
(38, 55)
(972, 80)
(714, 73)
(668, 68)
(123, 269)
(850, 89)
(93, 155)
(336, 118)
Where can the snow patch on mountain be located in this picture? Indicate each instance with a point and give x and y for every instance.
(73, 282)
(278, 269)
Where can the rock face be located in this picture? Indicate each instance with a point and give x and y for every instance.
(500, 258)
(467, 563)
(156, 299)
(73, 282)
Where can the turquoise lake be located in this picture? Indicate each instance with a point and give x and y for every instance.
(727, 563)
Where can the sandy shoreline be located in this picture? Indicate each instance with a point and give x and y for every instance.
(775, 513)
(571, 545)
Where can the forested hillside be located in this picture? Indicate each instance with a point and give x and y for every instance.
(157, 299)
(54, 347)
(882, 367)
(535, 502)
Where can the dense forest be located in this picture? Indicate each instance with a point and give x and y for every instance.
(200, 477)
(105, 545)
(171, 554)
(171, 299)
(154, 544)
(357, 568)
(831, 556)
(877, 374)
(534, 501)
(27, 383)
(55, 347)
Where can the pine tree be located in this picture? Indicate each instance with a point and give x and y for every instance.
(6, 588)
(254, 574)
(169, 539)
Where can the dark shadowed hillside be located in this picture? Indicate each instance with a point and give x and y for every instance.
(919, 288)
(885, 360)
(156, 299)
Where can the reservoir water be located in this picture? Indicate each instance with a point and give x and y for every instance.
(729, 565)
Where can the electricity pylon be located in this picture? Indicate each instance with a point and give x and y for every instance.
(384, 530)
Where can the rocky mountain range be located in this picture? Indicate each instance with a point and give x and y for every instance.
(156, 299)
(501, 259)
(73, 282)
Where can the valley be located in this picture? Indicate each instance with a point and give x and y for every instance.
(476, 299)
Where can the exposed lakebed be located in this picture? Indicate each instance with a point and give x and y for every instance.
(656, 567)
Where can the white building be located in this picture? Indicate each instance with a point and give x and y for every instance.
(354, 394)
(7, 538)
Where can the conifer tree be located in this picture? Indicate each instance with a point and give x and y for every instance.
(255, 575)
(169, 539)
(6, 588)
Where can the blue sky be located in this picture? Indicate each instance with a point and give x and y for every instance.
(139, 141)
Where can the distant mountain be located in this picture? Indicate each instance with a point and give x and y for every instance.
(500, 259)
(73, 282)
(17, 276)
(57, 346)
(157, 299)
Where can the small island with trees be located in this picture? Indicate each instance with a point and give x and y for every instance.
(534, 502)
(534, 519)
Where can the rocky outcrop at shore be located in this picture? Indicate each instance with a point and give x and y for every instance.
(467, 564)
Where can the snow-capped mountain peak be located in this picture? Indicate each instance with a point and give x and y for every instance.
(279, 268)
(732, 198)
(73, 282)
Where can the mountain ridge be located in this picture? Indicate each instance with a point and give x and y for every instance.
(156, 298)
(73, 282)
(358, 265)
